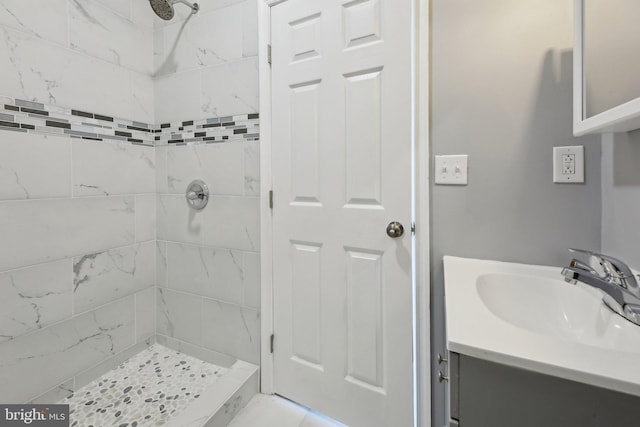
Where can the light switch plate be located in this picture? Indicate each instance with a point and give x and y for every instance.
(451, 170)
(568, 164)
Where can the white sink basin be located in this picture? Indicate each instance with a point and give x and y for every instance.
(553, 308)
(528, 316)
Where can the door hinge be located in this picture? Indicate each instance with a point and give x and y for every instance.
(271, 342)
(269, 54)
(270, 199)
(413, 228)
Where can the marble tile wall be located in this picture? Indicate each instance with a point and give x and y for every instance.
(77, 259)
(93, 55)
(206, 65)
(77, 217)
(208, 261)
(97, 240)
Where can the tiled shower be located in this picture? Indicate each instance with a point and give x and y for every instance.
(106, 114)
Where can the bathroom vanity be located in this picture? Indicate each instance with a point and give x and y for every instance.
(492, 394)
(529, 349)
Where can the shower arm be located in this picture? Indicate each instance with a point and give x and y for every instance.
(194, 6)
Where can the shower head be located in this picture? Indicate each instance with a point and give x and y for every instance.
(164, 8)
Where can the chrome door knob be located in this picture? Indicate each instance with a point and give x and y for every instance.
(395, 230)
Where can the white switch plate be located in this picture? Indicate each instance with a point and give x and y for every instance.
(568, 164)
(451, 170)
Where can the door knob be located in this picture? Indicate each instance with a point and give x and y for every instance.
(395, 230)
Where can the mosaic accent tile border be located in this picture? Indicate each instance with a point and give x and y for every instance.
(26, 116)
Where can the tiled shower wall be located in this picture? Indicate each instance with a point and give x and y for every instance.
(209, 261)
(91, 55)
(78, 217)
(207, 64)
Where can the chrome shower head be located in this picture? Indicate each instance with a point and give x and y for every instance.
(164, 8)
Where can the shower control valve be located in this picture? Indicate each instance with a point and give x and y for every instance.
(197, 194)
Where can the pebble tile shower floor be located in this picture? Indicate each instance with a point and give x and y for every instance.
(146, 390)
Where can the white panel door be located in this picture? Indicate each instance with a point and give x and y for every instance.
(341, 161)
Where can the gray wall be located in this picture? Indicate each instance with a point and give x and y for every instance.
(501, 92)
(621, 196)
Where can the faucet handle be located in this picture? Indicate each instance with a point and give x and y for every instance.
(613, 267)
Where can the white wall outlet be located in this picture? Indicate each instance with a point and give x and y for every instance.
(568, 164)
(451, 170)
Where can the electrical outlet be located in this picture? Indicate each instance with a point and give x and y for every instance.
(568, 164)
(451, 170)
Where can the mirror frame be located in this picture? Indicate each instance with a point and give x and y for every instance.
(622, 118)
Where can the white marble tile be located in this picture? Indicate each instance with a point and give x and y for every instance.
(142, 13)
(315, 420)
(252, 168)
(34, 166)
(211, 272)
(159, 56)
(145, 217)
(161, 151)
(102, 277)
(56, 394)
(60, 351)
(183, 165)
(88, 375)
(177, 222)
(177, 97)
(233, 222)
(209, 38)
(227, 282)
(36, 231)
(251, 265)
(231, 329)
(269, 411)
(141, 104)
(105, 169)
(161, 264)
(49, 23)
(145, 314)
(230, 89)
(201, 353)
(179, 316)
(39, 71)
(274, 411)
(219, 165)
(122, 7)
(250, 29)
(34, 297)
(96, 30)
(236, 402)
(220, 402)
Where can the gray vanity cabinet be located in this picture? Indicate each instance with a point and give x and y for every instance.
(487, 394)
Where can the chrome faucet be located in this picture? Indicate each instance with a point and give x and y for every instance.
(613, 277)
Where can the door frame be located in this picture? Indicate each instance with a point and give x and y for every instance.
(421, 261)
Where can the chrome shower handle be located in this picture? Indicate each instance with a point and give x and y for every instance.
(197, 194)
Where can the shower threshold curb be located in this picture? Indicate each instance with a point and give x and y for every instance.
(220, 402)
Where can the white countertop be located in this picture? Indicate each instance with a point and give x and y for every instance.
(598, 347)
